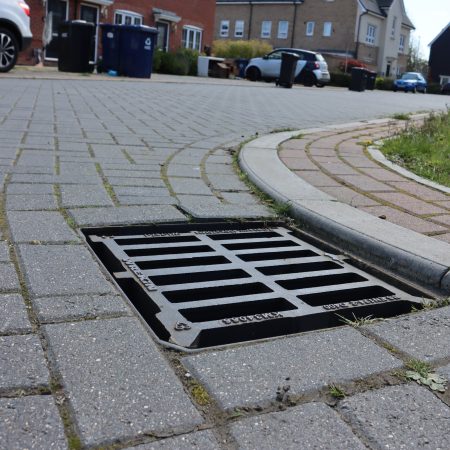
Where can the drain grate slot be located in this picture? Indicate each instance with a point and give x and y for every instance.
(183, 262)
(209, 313)
(199, 285)
(255, 245)
(323, 280)
(298, 268)
(234, 290)
(199, 277)
(169, 250)
(277, 255)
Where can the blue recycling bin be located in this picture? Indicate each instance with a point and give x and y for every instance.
(241, 64)
(136, 45)
(110, 46)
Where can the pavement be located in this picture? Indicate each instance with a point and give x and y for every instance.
(78, 367)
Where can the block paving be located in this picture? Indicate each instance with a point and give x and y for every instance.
(79, 369)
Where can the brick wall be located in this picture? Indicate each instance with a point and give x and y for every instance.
(198, 13)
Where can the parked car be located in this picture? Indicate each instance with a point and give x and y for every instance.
(410, 81)
(15, 33)
(311, 69)
(445, 89)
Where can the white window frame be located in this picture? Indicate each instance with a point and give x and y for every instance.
(371, 34)
(327, 29)
(133, 16)
(283, 29)
(394, 26)
(266, 29)
(196, 34)
(310, 28)
(224, 28)
(401, 47)
(239, 28)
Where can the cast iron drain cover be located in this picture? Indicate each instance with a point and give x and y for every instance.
(201, 285)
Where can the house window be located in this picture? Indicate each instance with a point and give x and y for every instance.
(309, 28)
(266, 29)
(371, 34)
(327, 28)
(283, 26)
(239, 28)
(122, 17)
(224, 28)
(401, 47)
(192, 38)
(394, 23)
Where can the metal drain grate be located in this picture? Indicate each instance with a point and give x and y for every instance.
(213, 284)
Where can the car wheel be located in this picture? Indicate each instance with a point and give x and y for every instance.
(395, 89)
(9, 50)
(309, 79)
(424, 91)
(320, 85)
(253, 74)
(413, 90)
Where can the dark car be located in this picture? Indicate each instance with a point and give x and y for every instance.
(311, 68)
(445, 89)
(410, 82)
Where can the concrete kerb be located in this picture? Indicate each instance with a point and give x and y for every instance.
(418, 258)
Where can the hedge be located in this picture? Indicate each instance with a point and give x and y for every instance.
(240, 49)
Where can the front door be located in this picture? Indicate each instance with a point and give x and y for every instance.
(57, 12)
(163, 36)
(90, 14)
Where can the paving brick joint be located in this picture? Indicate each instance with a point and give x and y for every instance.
(77, 366)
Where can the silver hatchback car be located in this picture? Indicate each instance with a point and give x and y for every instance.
(15, 32)
(312, 69)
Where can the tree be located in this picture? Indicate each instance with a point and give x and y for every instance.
(416, 63)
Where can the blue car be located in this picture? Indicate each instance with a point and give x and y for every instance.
(411, 81)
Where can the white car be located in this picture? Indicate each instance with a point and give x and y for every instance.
(311, 69)
(15, 32)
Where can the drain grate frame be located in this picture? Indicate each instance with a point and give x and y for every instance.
(199, 285)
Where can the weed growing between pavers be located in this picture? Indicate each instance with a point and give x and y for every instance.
(336, 391)
(420, 372)
(425, 150)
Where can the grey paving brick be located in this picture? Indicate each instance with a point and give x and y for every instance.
(189, 186)
(211, 208)
(125, 215)
(8, 276)
(184, 170)
(49, 309)
(399, 417)
(141, 191)
(309, 426)
(22, 363)
(30, 188)
(31, 422)
(44, 226)
(130, 389)
(4, 251)
(31, 202)
(61, 270)
(136, 200)
(126, 181)
(72, 195)
(13, 314)
(228, 183)
(200, 440)
(250, 375)
(240, 198)
(423, 335)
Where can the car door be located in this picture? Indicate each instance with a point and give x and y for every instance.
(271, 64)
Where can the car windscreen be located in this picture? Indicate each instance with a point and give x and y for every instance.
(409, 76)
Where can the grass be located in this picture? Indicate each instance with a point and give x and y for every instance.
(336, 392)
(357, 322)
(401, 116)
(424, 150)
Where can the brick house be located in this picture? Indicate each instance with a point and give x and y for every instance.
(373, 31)
(439, 60)
(180, 23)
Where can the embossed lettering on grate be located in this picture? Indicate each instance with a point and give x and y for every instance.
(201, 285)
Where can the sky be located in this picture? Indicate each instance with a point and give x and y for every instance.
(429, 17)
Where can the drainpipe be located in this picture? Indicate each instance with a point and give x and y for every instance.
(357, 35)
(294, 22)
(250, 21)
